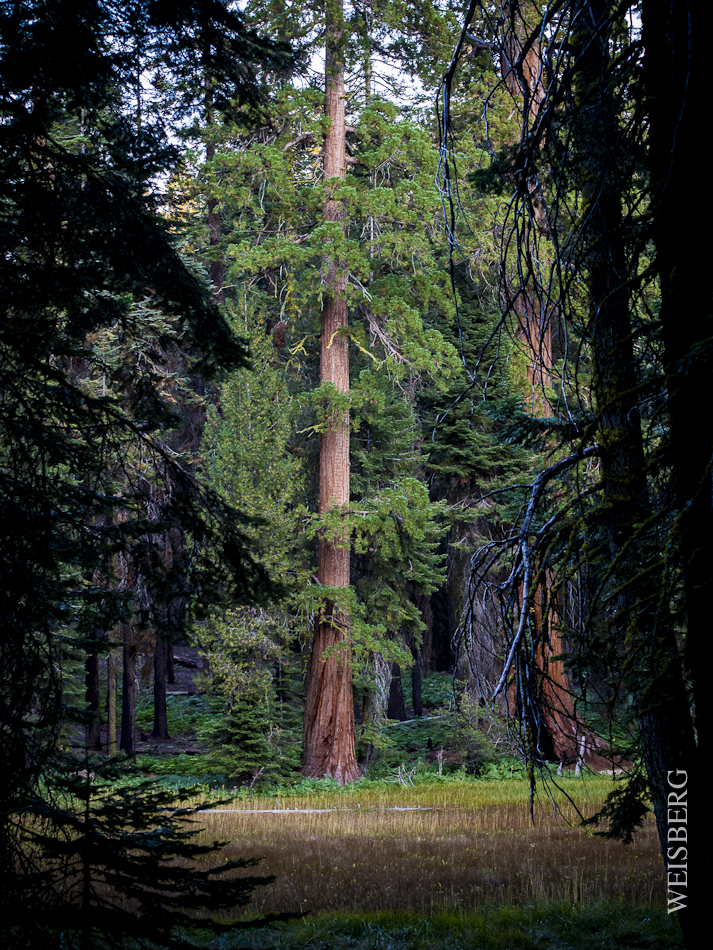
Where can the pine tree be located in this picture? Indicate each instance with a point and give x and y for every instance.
(329, 731)
(254, 670)
(278, 246)
(397, 530)
(255, 678)
(116, 857)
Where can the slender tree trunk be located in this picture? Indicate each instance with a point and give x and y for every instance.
(416, 682)
(112, 672)
(368, 67)
(217, 268)
(329, 731)
(160, 713)
(128, 695)
(92, 695)
(396, 708)
(216, 265)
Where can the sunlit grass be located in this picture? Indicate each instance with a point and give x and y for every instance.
(456, 864)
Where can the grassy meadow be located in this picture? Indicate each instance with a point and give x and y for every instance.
(452, 861)
(457, 863)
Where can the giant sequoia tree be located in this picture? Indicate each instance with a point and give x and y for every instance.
(322, 230)
(620, 522)
(329, 714)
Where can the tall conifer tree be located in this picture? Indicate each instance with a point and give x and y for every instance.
(329, 733)
(354, 256)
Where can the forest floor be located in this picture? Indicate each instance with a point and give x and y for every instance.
(181, 695)
(187, 666)
(445, 739)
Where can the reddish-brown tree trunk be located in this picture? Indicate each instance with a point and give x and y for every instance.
(567, 739)
(329, 731)
(523, 72)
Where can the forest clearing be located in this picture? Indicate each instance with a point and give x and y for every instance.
(423, 861)
(451, 862)
(437, 848)
(458, 864)
(356, 474)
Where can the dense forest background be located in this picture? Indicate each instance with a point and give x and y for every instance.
(334, 392)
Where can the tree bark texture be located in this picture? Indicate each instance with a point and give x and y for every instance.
(329, 730)
(524, 74)
(521, 59)
(557, 731)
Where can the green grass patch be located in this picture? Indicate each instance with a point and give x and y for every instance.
(457, 789)
(560, 925)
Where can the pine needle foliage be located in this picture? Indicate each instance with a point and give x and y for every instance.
(396, 528)
(253, 654)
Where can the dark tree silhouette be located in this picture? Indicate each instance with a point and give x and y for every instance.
(81, 242)
(610, 150)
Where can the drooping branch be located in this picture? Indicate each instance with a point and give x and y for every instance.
(524, 567)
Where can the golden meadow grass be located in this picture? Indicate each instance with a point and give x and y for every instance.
(458, 845)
